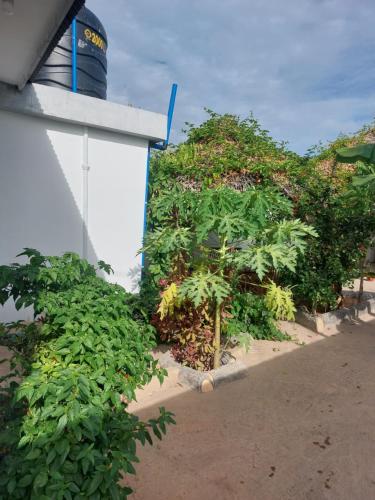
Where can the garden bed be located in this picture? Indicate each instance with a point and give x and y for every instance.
(329, 322)
(205, 381)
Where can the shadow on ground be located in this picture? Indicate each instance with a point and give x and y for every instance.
(300, 426)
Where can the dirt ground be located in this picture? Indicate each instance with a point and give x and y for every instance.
(299, 426)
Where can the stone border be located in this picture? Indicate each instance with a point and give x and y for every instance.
(204, 381)
(322, 323)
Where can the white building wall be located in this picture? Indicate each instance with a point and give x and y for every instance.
(116, 187)
(41, 193)
(40, 164)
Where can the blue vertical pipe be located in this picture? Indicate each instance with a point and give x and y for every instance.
(74, 55)
(163, 146)
(146, 200)
(172, 101)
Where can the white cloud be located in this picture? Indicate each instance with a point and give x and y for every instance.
(304, 67)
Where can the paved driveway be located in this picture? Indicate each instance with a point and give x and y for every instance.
(299, 426)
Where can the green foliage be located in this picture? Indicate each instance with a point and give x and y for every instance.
(219, 147)
(216, 221)
(253, 221)
(365, 177)
(233, 202)
(204, 286)
(265, 257)
(65, 429)
(280, 301)
(251, 318)
(24, 282)
(344, 217)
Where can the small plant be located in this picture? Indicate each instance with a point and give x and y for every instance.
(249, 318)
(66, 432)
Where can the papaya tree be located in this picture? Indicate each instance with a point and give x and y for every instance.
(207, 244)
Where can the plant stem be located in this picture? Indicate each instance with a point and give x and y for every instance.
(217, 341)
(362, 267)
(217, 336)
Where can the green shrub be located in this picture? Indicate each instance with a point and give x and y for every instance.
(66, 433)
(344, 218)
(250, 316)
(228, 151)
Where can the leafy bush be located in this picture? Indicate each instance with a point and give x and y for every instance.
(239, 154)
(344, 218)
(65, 429)
(249, 316)
(223, 148)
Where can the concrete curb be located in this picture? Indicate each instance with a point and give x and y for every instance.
(204, 381)
(322, 323)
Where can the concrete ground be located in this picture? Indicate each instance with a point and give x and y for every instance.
(299, 426)
(368, 286)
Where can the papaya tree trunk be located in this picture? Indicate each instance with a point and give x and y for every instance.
(217, 340)
(360, 293)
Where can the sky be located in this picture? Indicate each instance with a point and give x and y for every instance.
(305, 68)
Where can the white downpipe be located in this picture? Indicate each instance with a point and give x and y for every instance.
(85, 191)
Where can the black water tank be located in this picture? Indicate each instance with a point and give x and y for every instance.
(90, 76)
